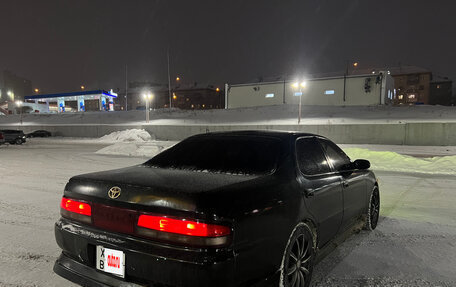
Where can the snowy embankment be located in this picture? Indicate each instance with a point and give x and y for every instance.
(265, 115)
(392, 161)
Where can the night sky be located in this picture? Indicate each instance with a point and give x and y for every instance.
(60, 45)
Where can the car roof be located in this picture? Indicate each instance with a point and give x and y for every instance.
(268, 133)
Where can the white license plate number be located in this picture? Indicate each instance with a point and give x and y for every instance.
(111, 261)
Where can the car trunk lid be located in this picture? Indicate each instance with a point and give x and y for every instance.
(150, 188)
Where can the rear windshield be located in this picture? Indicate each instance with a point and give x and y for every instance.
(223, 154)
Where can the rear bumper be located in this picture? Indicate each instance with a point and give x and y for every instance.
(84, 275)
(146, 263)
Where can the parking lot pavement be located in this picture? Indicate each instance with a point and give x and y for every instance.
(414, 244)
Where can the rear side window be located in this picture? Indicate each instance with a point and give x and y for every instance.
(310, 157)
(336, 156)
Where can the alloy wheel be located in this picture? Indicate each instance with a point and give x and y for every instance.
(299, 262)
(374, 209)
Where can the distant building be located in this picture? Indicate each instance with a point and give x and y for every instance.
(186, 97)
(442, 93)
(354, 90)
(134, 98)
(412, 85)
(13, 88)
(197, 98)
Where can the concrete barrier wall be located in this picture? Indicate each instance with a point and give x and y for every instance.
(438, 134)
(366, 134)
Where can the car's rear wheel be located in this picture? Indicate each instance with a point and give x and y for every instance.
(297, 261)
(18, 141)
(374, 210)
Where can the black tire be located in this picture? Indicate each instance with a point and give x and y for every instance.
(298, 258)
(373, 211)
(18, 141)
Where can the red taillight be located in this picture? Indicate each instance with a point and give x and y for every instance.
(182, 226)
(76, 210)
(1, 136)
(76, 206)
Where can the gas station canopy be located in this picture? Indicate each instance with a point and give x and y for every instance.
(100, 100)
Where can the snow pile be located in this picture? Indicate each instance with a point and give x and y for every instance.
(131, 135)
(148, 149)
(391, 161)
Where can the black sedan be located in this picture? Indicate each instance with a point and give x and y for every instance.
(39, 134)
(13, 136)
(218, 209)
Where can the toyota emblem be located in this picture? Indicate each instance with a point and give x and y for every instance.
(114, 192)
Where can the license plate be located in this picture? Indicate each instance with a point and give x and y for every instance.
(111, 261)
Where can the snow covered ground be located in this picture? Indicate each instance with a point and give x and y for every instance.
(277, 115)
(414, 244)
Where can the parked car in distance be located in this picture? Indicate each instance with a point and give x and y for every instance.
(39, 134)
(14, 136)
(217, 209)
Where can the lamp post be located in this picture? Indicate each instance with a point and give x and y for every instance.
(19, 104)
(147, 97)
(300, 86)
(217, 90)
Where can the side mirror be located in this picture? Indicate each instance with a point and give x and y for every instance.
(361, 164)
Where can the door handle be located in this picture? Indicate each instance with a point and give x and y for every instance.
(345, 183)
(309, 193)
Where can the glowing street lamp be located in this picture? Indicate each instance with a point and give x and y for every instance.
(177, 79)
(147, 97)
(19, 104)
(300, 86)
(37, 91)
(217, 90)
(10, 94)
(82, 87)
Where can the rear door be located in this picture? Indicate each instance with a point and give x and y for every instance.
(354, 189)
(321, 188)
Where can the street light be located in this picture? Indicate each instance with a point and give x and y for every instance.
(177, 79)
(82, 87)
(37, 90)
(147, 97)
(300, 86)
(10, 94)
(217, 90)
(19, 104)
